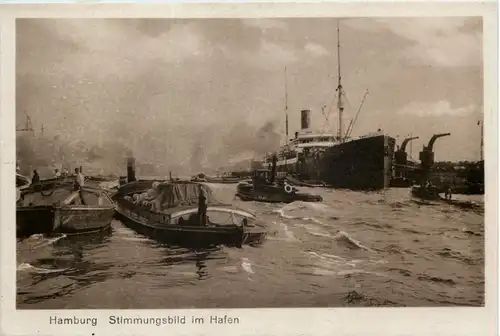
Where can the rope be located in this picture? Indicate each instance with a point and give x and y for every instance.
(54, 187)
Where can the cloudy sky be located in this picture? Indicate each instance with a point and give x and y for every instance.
(166, 88)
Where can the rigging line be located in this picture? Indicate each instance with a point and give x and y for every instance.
(286, 108)
(334, 100)
(357, 113)
(339, 87)
(326, 123)
(349, 108)
(326, 119)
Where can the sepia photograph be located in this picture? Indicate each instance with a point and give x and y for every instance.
(174, 163)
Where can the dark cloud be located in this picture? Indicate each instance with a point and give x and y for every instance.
(162, 87)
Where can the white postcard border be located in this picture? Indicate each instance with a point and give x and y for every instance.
(290, 321)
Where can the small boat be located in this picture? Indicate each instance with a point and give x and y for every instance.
(58, 208)
(429, 194)
(296, 181)
(102, 178)
(199, 178)
(60, 180)
(223, 179)
(264, 188)
(432, 194)
(273, 193)
(185, 213)
(69, 180)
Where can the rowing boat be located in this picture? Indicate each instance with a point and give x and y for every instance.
(432, 194)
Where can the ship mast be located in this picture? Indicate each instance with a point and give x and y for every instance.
(28, 126)
(340, 104)
(286, 109)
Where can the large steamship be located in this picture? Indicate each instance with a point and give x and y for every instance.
(363, 163)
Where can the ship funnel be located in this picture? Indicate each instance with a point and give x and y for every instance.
(131, 169)
(305, 119)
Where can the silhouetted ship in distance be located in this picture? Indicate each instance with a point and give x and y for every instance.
(363, 163)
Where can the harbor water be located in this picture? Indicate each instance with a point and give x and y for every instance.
(352, 249)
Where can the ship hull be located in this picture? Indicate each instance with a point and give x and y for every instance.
(360, 164)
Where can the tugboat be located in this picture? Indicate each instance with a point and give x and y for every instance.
(264, 188)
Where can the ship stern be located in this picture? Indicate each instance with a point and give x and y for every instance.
(360, 164)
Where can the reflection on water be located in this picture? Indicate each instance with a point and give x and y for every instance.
(354, 249)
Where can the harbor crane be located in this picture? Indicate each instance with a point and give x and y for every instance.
(400, 156)
(426, 156)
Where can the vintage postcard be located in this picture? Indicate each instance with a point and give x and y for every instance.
(315, 164)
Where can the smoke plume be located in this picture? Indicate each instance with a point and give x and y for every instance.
(101, 88)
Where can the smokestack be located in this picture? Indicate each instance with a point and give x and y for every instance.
(305, 119)
(131, 169)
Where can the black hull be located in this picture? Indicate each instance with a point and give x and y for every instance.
(426, 194)
(360, 164)
(67, 220)
(34, 220)
(195, 237)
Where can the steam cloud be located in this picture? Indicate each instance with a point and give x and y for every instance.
(101, 95)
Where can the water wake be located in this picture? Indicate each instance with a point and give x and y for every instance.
(314, 230)
(289, 235)
(30, 268)
(299, 205)
(38, 241)
(333, 265)
(246, 265)
(343, 238)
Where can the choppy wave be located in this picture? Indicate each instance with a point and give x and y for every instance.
(353, 249)
(40, 270)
